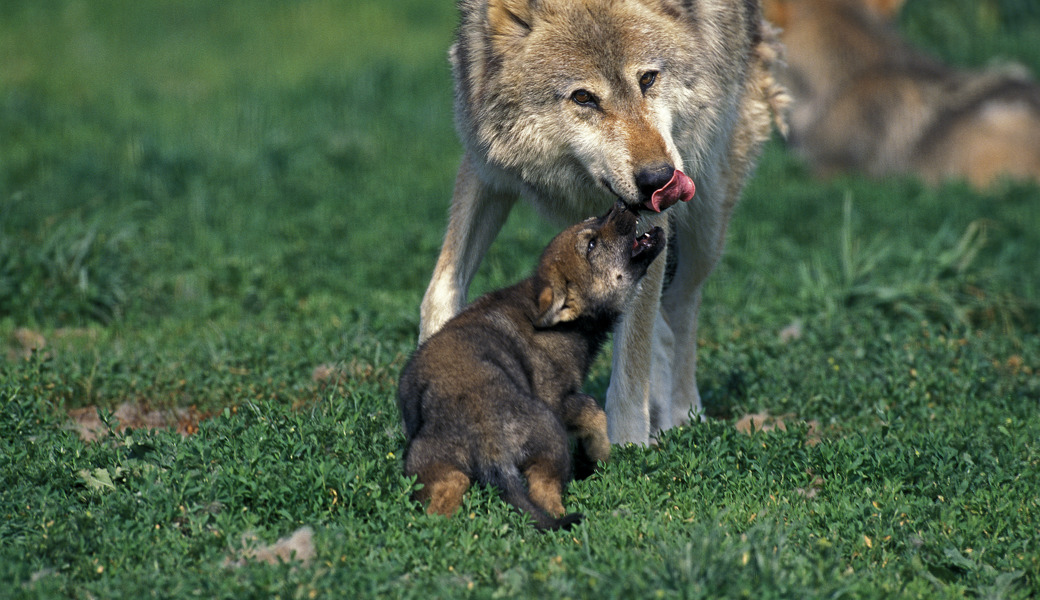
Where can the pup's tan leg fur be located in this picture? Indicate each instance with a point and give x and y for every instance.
(594, 436)
(545, 488)
(477, 215)
(443, 487)
(587, 421)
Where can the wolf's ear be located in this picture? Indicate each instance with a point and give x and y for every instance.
(509, 20)
(677, 8)
(553, 307)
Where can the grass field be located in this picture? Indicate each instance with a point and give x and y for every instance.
(231, 210)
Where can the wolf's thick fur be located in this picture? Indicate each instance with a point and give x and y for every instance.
(571, 104)
(866, 100)
(492, 396)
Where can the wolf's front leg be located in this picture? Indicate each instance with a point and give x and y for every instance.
(477, 214)
(628, 397)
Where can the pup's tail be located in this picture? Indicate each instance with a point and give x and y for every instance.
(510, 483)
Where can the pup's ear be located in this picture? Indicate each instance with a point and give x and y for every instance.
(886, 9)
(509, 20)
(777, 12)
(553, 307)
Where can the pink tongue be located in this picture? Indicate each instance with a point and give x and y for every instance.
(679, 187)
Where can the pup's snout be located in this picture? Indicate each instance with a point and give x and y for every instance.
(623, 219)
(652, 178)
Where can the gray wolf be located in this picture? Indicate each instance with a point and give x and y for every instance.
(866, 100)
(492, 396)
(572, 104)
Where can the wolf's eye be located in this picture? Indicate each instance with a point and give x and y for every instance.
(591, 247)
(647, 79)
(584, 98)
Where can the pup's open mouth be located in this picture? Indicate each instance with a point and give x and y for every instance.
(646, 243)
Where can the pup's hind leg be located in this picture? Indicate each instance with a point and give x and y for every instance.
(443, 482)
(545, 485)
(548, 465)
(443, 487)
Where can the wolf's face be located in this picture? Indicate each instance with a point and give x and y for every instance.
(611, 106)
(593, 268)
(580, 99)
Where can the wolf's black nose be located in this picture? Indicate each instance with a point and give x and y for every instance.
(653, 178)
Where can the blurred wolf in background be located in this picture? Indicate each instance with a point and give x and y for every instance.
(864, 99)
(572, 104)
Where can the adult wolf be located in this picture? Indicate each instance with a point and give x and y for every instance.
(572, 104)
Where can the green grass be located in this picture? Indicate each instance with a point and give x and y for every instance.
(200, 203)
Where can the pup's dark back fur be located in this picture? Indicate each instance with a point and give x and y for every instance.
(492, 396)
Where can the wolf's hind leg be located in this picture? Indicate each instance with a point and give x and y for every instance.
(697, 253)
(661, 417)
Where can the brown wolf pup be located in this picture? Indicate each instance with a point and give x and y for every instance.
(572, 104)
(493, 395)
(864, 99)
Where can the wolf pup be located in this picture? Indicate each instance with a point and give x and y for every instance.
(492, 396)
(866, 100)
(572, 104)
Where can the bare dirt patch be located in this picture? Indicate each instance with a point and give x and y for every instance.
(763, 421)
(90, 427)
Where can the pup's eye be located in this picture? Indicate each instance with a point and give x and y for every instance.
(584, 98)
(647, 79)
(591, 247)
